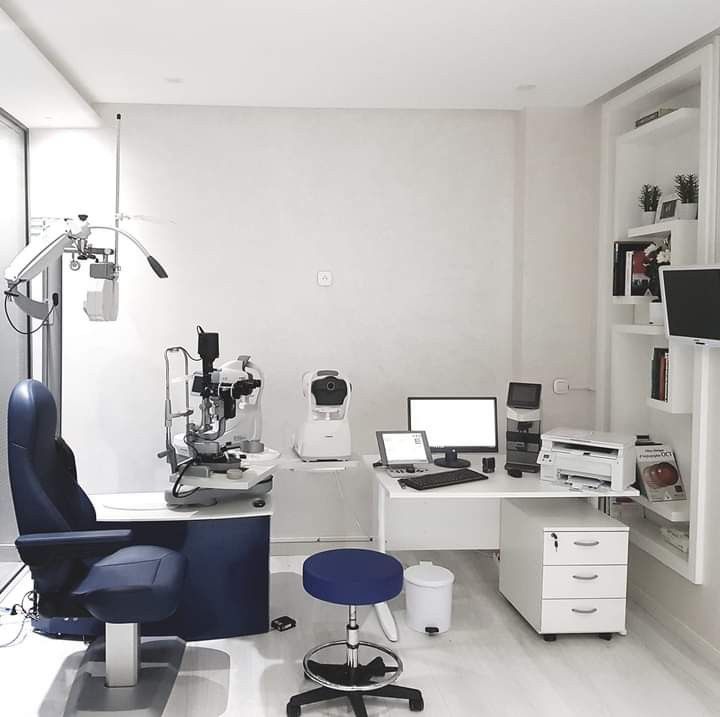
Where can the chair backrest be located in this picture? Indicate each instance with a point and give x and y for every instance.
(46, 494)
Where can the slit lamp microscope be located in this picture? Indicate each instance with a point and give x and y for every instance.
(219, 454)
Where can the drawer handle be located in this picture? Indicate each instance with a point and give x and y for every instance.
(586, 577)
(585, 611)
(586, 543)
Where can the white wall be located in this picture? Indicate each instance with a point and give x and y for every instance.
(414, 212)
(555, 311)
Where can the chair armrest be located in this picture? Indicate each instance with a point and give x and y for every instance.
(43, 548)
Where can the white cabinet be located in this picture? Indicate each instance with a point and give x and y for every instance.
(563, 565)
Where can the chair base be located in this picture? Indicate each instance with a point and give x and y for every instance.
(356, 699)
(347, 678)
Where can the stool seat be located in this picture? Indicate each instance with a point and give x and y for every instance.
(352, 576)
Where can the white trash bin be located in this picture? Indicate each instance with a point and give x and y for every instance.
(428, 597)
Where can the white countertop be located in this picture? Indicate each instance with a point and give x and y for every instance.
(151, 507)
(498, 485)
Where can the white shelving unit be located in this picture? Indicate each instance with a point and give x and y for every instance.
(684, 141)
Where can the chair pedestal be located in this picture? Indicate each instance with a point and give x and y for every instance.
(352, 680)
(122, 654)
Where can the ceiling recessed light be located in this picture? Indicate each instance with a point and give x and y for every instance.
(174, 80)
(525, 88)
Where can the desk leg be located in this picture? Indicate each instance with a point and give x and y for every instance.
(382, 609)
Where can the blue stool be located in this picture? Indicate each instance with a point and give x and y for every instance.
(353, 577)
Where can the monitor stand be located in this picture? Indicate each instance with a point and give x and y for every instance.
(451, 460)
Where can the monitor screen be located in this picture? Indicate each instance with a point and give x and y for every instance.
(524, 395)
(466, 424)
(692, 302)
(403, 447)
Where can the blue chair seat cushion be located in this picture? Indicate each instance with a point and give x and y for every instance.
(351, 576)
(141, 583)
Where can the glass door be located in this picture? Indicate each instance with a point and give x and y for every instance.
(15, 355)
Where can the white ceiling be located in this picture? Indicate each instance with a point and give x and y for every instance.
(32, 90)
(358, 53)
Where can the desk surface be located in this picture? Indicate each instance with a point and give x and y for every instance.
(151, 507)
(498, 485)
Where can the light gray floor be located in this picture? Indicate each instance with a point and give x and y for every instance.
(490, 663)
(7, 571)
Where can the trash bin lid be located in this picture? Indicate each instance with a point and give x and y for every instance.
(427, 575)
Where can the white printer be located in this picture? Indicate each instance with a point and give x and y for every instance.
(588, 459)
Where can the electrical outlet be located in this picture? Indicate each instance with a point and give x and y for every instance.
(324, 278)
(561, 386)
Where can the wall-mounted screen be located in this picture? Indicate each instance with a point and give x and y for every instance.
(691, 295)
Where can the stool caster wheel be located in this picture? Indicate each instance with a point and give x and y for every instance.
(417, 704)
(549, 638)
(293, 710)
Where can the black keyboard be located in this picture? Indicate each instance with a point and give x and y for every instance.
(439, 480)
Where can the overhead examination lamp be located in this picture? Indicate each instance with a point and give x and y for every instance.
(43, 255)
(71, 236)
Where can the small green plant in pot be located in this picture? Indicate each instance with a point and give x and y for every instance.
(648, 200)
(687, 189)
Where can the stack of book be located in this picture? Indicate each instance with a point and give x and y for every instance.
(660, 374)
(657, 114)
(629, 275)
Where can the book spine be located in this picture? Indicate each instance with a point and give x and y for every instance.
(628, 273)
(654, 378)
(617, 270)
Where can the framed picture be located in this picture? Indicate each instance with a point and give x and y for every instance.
(667, 209)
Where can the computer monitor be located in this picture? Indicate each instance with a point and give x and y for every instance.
(452, 425)
(400, 448)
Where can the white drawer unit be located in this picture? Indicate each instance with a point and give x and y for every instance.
(563, 565)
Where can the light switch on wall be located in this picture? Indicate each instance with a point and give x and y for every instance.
(324, 278)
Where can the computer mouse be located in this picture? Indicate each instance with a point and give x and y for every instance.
(410, 469)
(259, 503)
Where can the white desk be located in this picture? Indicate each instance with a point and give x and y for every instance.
(151, 507)
(460, 517)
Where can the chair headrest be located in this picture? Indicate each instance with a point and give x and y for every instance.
(32, 414)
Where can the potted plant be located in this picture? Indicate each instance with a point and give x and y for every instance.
(687, 189)
(656, 255)
(648, 201)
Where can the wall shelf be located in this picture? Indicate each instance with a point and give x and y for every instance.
(639, 329)
(672, 226)
(646, 535)
(675, 511)
(681, 121)
(632, 300)
(667, 406)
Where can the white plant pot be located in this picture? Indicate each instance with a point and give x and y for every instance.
(687, 211)
(657, 313)
(648, 218)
